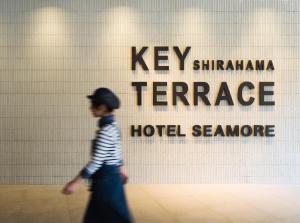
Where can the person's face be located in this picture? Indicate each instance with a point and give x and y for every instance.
(98, 111)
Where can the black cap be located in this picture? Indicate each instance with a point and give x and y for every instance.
(105, 96)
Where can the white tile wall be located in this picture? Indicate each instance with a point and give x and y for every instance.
(54, 53)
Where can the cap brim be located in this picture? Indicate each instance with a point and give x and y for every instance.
(90, 96)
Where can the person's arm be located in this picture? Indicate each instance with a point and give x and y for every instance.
(102, 144)
(121, 167)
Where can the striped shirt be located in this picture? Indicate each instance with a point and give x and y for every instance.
(106, 148)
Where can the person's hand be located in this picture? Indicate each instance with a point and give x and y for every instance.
(123, 176)
(70, 187)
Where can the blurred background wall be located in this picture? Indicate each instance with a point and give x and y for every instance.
(54, 53)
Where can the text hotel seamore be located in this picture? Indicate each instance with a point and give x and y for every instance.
(200, 91)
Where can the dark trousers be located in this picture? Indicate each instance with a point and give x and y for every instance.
(107, 202)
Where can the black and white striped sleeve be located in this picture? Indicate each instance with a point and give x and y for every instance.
(104, 144)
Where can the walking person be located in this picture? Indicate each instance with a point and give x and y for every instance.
(107, 202)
